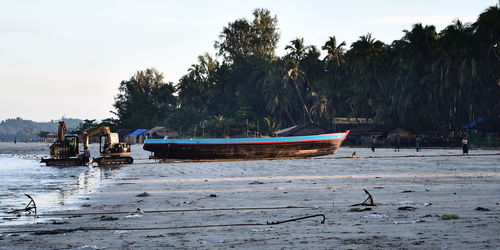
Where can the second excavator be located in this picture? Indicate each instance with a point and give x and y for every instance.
(112, 151)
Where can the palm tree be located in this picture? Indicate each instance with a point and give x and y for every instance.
(295, 73)
(414, 81)
(455, 68)
(278, 93)
(367, 66)
(335, 53)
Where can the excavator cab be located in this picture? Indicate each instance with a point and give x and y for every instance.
(112, 151)
(103, 144)
(110, 145)
(72, 145)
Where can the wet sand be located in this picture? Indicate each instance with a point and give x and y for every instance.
(228, 204)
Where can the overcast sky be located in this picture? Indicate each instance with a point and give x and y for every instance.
(67, 58)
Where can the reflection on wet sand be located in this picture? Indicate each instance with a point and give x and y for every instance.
(53, 189)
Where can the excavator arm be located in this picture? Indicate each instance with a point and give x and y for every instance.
(97, 130)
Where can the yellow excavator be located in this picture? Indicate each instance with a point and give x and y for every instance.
(111, 149)
(64, 152)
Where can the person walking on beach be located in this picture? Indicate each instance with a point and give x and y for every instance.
(373, 143)
(397, 141)
(465, 147)
(417, 143)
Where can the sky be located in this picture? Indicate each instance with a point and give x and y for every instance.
(63, 58)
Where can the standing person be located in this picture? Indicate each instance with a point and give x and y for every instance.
(86, 155)
(465, 147)
(417, 143)
(373, 143)
(397, 141)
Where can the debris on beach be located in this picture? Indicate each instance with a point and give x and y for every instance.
(359, 209)
(256, 182)
(143, 194)
(137, 214)
(107, 218)
(55, 222)
(206, 196)
(89, 246)
(296, 219)
(375, 216)
(449, 217)
(29, 208)
(408, 191)
(405, 202)
(364, 203)
(483, 209)
(407, 208)
(409, 222)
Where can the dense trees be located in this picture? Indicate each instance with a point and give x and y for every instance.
(145, 100)
(427, 80)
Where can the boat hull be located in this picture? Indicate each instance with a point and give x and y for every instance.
(245, 148)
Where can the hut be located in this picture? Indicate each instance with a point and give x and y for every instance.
(136, 136)
(51, 137)
(123, 132)
(161, 132)
(403, 133)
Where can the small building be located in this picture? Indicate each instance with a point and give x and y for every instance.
(136, 137)
(161, 132)
(403, 133)
(298, 130)
(51, 137)
(123, 132)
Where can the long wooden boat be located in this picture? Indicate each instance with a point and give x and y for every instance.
(245, 148)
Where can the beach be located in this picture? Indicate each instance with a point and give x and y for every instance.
(435, 198)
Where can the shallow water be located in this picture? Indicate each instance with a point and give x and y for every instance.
(52, 188)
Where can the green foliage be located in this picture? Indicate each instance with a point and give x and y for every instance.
(425, 81)
(242, 39)
(145, 100)
(449, 217)
(87, 125)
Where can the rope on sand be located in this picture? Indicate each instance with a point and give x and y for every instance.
(71, 230)
(171, 211)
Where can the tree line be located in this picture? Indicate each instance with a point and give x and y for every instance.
(22, 130)
(425, 81)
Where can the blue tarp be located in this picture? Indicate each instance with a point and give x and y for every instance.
(473, 123)
(137, 132)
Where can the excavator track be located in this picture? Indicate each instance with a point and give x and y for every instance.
(62, 162)
(114, 160)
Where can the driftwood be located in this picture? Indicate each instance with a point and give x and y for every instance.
(364, 203)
